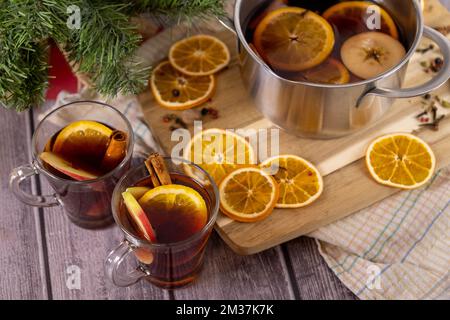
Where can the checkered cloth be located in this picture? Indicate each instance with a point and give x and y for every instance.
(396, 249)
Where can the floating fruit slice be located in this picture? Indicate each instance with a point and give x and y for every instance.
(66, 167)
(300, 182)
(273, 5)
(400, 160)
(218, 152)
(138, 192)
(329, 72)
(188, 206)
(178, 91)
(353, 17)
(248, 194)
(199, 55)
(139, 217)
(293, 39)
(83, 141)
(370, 54)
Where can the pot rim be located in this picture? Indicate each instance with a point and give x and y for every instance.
(412, 50)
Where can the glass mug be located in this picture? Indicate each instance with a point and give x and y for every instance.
(86, 203)
(166, 265)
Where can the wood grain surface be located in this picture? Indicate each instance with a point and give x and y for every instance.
(36, 246)
(22, 264)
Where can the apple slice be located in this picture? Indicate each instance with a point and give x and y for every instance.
(139, 217)
(138, 192)
(66, 167)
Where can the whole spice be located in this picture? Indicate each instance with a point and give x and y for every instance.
(157, 169)
(425, 50)
(437, 64)
(433, 125)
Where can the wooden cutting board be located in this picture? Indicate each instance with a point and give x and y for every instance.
(348, 186)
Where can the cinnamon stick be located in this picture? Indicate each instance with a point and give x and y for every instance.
(151, 171)
(116, 151)
(159, 174)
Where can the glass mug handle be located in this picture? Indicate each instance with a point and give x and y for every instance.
(113, 262)
(22, 173)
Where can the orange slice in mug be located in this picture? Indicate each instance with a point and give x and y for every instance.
(83, 140)
(294, 39)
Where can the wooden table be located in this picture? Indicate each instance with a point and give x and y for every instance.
(38, 247)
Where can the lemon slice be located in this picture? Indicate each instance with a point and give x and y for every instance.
(400, 160)
(248, 194)
(300, 182)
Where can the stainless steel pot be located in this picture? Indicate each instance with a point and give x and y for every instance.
(329, 111)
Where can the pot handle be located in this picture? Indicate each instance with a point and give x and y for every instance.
(436, 82)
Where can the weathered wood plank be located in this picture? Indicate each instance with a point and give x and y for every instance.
(313, 277)
(23, 274)
(229, 276)
(69, 245)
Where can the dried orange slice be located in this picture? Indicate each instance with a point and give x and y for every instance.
(218, 152)
(351, 17)
(177, 91)
(200, 55)
(248, 194)
(83, 141)
(300, 182)
(293, 39)
(400, 160)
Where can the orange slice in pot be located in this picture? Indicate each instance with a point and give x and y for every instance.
(293, 39)
(330, 72)
(353, 17)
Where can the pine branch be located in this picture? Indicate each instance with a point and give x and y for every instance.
(23, 55)
(181, 9)
(102, 48)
